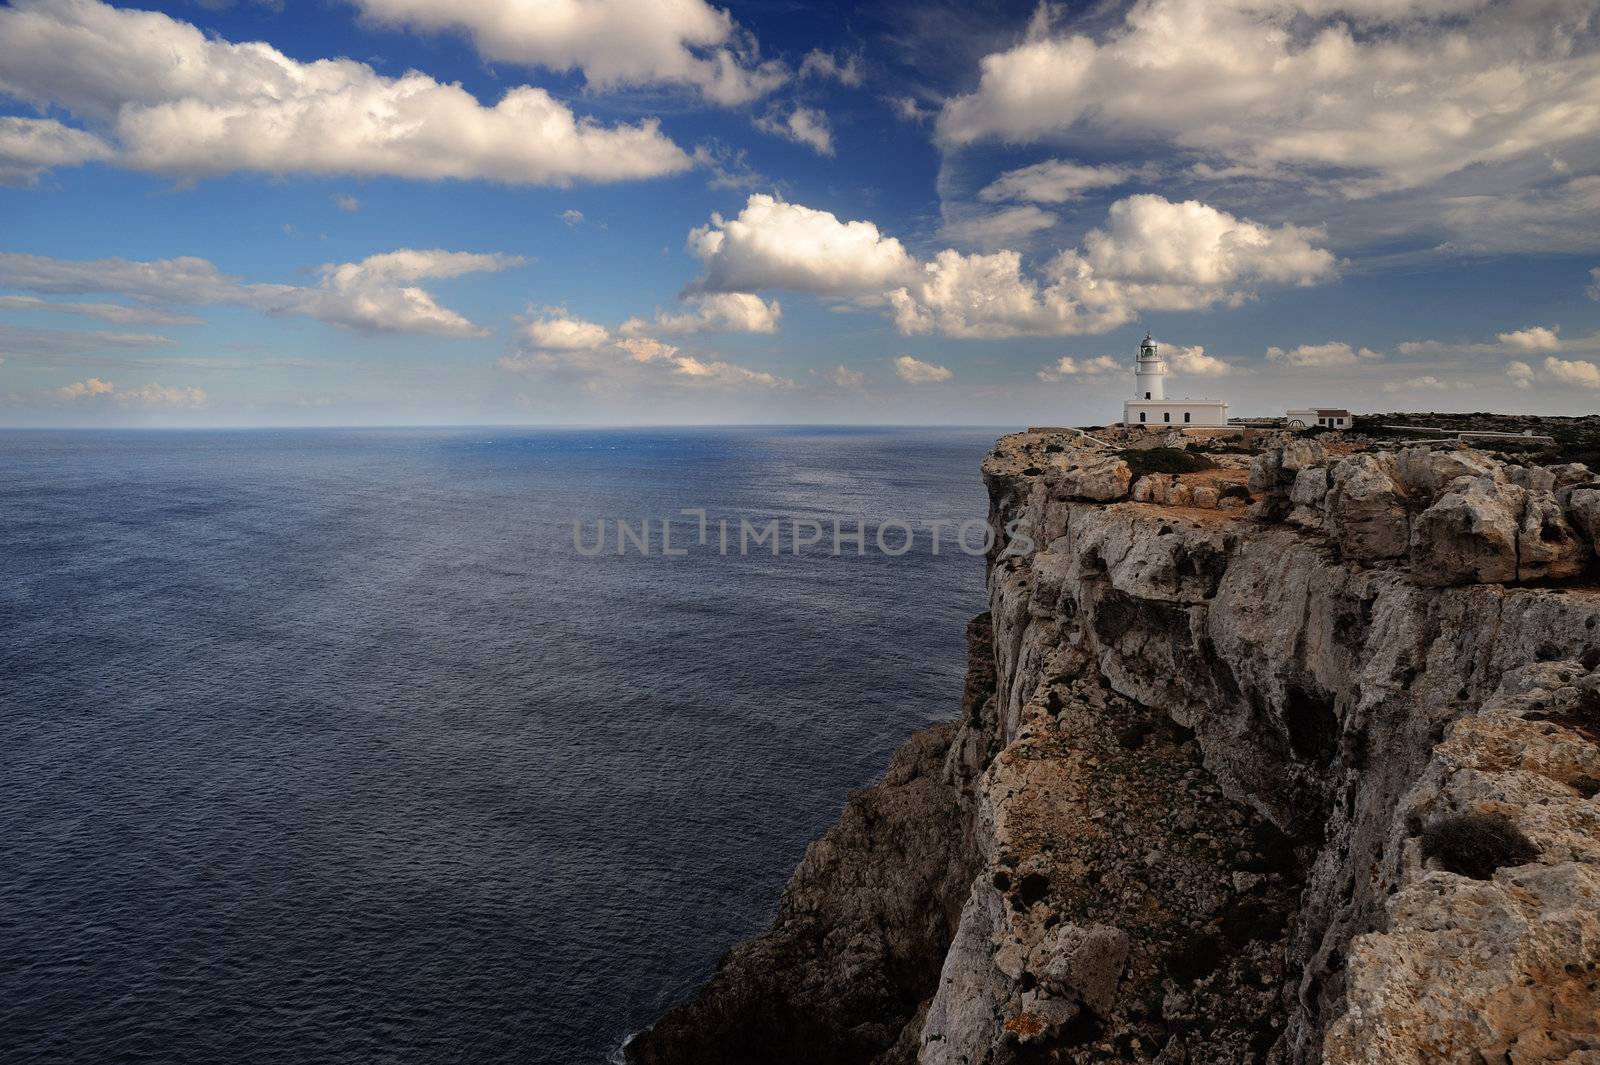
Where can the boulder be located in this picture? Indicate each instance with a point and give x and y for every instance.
(1583, 513)
(1302, 454)
(1096, 478)
(1366, 511)
(1204, 496)
(1144, 489)
(1310, 486)
(1085, 963)
(1547, 546)
(1180, 494)
(1422, 471)
(1469, 534)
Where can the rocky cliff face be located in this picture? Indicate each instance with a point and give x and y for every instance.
(1293, 758)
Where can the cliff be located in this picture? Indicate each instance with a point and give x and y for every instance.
(1285, 753)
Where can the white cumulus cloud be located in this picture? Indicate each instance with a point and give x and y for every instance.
(1322, 356)
(1534, 338)
(828, 66)
(1067, 366)
(375, 294)
(1578, 372)
(614, 43)
(917, 372)
(846, 378)
(713, 312)
(1053, 181)
(778, 245)
(1521, 373)
(1151, 254)
(558, 331)
(179, 102)
(1391, 95)
(1192, 361)
(30, 146)
(803, 125)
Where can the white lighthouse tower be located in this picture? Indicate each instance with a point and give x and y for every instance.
(1150, 373)
(1150, 406)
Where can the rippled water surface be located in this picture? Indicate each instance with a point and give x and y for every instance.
(327, 747)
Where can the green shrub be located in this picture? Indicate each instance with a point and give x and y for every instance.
(1166, 460)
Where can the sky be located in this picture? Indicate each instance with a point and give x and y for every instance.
(618, 212)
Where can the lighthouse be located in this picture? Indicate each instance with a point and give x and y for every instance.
(1150, 373)
(1150, 406)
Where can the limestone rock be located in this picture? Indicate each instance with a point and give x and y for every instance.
(1547, 547)
(1098, 478)
(1366, 513)
(1083, 962)
(1205, 497)
(1469, 534)
(1302, 454)
(1583, 512)
(1423, 472)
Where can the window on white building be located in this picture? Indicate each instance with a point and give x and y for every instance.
(1141, 416)
(1185, 415)
(1147, 395)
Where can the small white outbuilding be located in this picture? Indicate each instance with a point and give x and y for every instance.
(1324, 417)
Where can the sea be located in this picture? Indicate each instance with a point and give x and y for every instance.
(339, 746)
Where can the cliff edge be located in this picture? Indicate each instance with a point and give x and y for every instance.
(1280, 752)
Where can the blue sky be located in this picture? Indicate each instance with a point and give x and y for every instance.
(605, 211)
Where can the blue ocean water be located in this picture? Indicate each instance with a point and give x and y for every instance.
(326, 746)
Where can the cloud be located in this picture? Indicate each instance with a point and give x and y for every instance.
(148, 396)
(1521, 373)
(1194, 362)
(1067, 366)
(120, 313)
(1534, 338)
(1593, 291)
(572, 217)
(162, 396)
(1573, 371)
(990, 229)
(1322, 356)
(186, 280)
(1053, 181)
(346, 202)
(846, 378)
(375, 295)
(1151, 254)
(646, 349)
(1387, 95)
(728, 168)
(55, 343)
(184, 104)
(713, 312)
(614, 43)
(1427, 382)
(639, 362)
(85, 389)
(378, 293)
(560, 332)
(30, 146)
(725, 374)
(827, 66)
(917, 372)
(909, 109)
(803, 125)
(777, 245)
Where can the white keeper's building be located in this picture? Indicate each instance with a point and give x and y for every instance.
(1150, 406)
